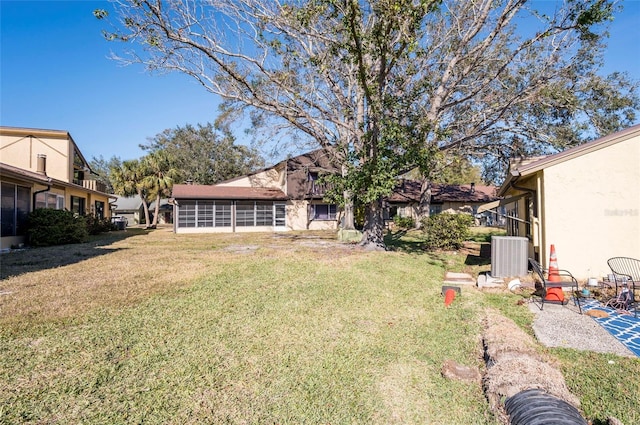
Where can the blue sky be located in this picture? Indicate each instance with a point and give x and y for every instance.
(55, 74)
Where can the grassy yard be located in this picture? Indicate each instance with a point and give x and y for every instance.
(288, 328)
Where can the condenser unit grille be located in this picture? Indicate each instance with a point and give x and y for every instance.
(509, 256)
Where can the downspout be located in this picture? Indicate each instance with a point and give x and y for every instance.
(111, 205)
(40, 191)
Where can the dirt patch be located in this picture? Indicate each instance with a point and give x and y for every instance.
(454, 370)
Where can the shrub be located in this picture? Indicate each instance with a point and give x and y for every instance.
(47, 227)
(97, 225)
(447, 231)
(404, 222)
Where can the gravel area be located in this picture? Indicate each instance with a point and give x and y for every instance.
(564, 326)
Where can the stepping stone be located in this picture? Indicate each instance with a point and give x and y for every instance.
(459, 278)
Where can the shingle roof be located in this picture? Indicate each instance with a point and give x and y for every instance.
(10, 170)
(530, 166)
(409, 191)
(128, 203)
(194, 191)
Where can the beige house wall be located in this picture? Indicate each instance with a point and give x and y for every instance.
(271, 178)
(22, 152)
(587, 206)
(592, 206)
(297, 218)
(20, 148)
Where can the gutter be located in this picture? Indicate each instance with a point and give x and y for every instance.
(40, 191)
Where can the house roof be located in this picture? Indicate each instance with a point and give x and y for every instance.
(532, 165)
(125, 203)
(409, 191)
(317, 160)
(195, 191)
(19, 173)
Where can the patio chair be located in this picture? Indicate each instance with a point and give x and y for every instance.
(544, 286)
(627, 277)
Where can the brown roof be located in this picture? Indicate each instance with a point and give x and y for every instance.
(530, 166)
(409, 191)
(15, 172)
(318, 160)
(196, 191)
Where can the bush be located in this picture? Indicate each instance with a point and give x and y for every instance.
(404, 222)
(447, 231)
(47, 227)
(97, 225)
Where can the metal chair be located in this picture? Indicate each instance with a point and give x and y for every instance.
(627, 276)
(544, 284)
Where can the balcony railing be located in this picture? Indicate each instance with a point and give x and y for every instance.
(91, 185)
(316, 189)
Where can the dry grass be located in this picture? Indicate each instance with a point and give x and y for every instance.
(256, 328)
(149, 326)
(125, 268)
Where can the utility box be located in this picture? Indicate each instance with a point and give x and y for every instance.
(509, 256)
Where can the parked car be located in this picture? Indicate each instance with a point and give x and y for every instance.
(119, 221)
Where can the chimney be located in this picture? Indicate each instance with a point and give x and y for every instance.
(41, 164)
(473, 188)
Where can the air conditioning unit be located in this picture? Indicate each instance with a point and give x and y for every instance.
(509, 256)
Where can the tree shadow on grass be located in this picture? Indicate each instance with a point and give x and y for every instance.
(402, 241)
(480, 256)
(21, 261)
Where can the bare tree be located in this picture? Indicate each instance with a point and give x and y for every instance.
(507, 80)
(382, 85)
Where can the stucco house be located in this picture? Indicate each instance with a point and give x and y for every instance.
(584, 200)
(44, 169)
(286, 196)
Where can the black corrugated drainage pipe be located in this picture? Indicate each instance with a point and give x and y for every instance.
(536, 407)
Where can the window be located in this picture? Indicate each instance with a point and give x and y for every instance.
(49, 200)
(513, 228)
(435, 209)
(16, 204)
(281, 215)
(390, 212)
(220, 213)
(323, 212)
(223, 214)
(99, 209)
(78, 205)
(187, 214)
(264, 214)
(204, 213)
(245, 213)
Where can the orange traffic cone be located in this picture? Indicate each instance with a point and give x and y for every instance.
(554, 276)
(449, 296)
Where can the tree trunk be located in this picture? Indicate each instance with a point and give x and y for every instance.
(156, 212)
(348, 221)
(145, 207)
(373, 231)
(425, 202)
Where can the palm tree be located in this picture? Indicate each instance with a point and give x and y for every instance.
(129, 179)
(159, 178)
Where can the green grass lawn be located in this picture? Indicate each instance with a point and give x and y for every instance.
(162, 328)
